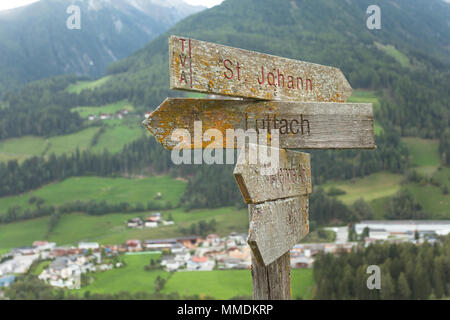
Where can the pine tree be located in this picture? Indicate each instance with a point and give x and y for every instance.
(438, 281)
(403, 291)
(387, 291)
(421, 284)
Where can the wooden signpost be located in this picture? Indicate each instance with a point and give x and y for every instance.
(213, 68)
(302, 125)
(309, 113)
(278, 212)
(259, 184)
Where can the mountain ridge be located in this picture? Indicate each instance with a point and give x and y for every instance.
(35, 42)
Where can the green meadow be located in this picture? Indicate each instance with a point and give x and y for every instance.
(111, 228)
(22, 233)
(22, 148)
(112, 190)
(114, 137)
(132, 277)
(424, 154)
(219, 284)
(87, 85)
(366, 96)
(85, 112)
(225, 284)
(374, 186)
(394, 53)
(29, 146)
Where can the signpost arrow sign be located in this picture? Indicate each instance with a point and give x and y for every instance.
(278, 197)
(213, 68)
(289, 177)
(301, 125)
(276, 226)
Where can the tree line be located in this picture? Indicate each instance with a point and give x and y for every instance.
(408, 271)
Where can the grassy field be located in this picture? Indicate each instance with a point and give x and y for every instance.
(84, 112)
(225, 284)
(111, 228)
(22, 233)
(112, 190)
(69, 143)
(220, 284)
(394, 53)
(21, 148)
(374, 186)
(116, 136)
(432, 200)
(29, 146)
(431, 197)
(87, 85)
(424, 154)
(366, 96)
(132, 278)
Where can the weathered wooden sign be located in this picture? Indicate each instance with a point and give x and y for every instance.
(278, 195)
(301, 125)
(289, 177)
(276, 226)
(213, 68)
(310, 113)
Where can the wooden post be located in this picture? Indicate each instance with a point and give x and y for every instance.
(271, 282)
(274, 281)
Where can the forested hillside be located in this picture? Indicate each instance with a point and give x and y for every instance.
(402, 68)
(35, 42)
(407, 60)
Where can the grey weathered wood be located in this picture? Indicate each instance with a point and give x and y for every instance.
(325, 125)
(290, 176)
(276, 226)
(272, 282)
(213, 68)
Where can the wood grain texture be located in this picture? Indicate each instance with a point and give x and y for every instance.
(276, 226)
(287, 174)
(212, 68)
(307, 125)
(272, 282)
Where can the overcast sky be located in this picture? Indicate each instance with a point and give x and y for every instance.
(8, 4)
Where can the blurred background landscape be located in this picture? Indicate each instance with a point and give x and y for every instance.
(91, 205)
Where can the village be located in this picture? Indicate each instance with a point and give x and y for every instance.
(120, 114)
(67, 264)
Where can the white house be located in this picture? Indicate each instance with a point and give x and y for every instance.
(151, 224)
(439, 227)
(88, 246)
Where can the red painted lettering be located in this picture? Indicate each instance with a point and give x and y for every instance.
(182, 44)
(183, 61)
(183, 77)
(282, 76)
(298, 83)
(291, 82)
(268, 79)
(310, 84)
(262, 76)
(229, 77)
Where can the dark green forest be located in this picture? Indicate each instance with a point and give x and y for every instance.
(407, 272)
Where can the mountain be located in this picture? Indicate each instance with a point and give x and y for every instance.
(35, 42)
(407, 61)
